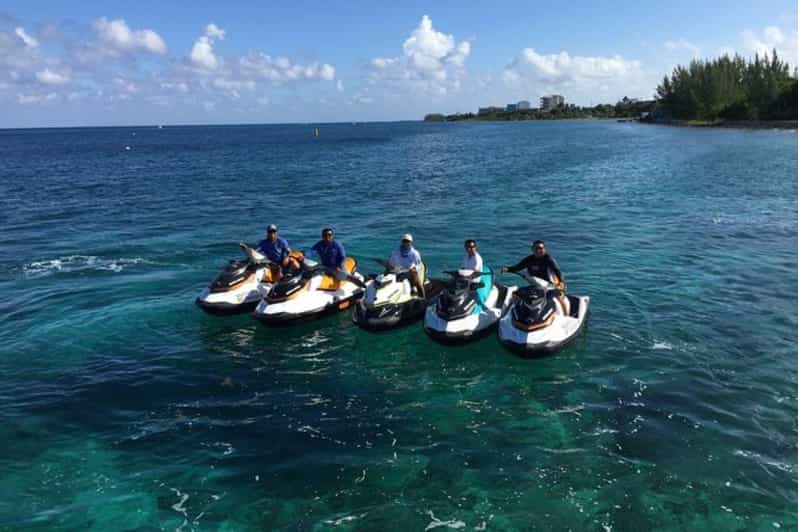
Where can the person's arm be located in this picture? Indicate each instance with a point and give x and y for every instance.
(416, 260)
(555, 268)
(286, 249)
(520, 266)
(341, 255)
(478, 263)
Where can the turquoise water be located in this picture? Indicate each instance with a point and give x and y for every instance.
(124, 407)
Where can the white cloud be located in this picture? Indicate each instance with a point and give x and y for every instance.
(202, 55)
(581, 79)
(785, 43)
(339, 86)
(29, 41)
(281, 69)
(432, 62)
(30, 99)
(682, 44)
(214, 31)
(118, 35)
(49, 77)
(564, 67)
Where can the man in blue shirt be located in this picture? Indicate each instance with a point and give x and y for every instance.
(331, 252)
(277, 251)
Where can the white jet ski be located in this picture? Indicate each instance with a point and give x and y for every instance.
(390, 300)
(541, 319)
(309, 293)
(469, 307)
(235, 289)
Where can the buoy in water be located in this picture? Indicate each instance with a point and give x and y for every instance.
(316, 132)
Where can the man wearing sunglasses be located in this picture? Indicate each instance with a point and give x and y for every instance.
(278, 252)
(540, 264)
(331, 252)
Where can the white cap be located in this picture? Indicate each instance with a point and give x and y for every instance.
(408, 237)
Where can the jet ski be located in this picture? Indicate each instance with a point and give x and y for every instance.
(310, 292)
(390, 300)
(542, 319)
(236, 288)
(469, 307)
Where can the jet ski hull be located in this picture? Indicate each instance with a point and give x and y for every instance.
(236, 301)
(390, 316)
(471, 327)
(546, 340)
(225, 309)
(308, 302)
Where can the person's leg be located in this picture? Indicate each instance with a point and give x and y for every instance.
(417, 282)
(276, 273)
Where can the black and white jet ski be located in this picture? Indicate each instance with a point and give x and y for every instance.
(541, 319)
(390, 300)
(469, 307)
(235, 289)
(310, 292)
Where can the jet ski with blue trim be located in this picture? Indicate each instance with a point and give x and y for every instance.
(390, 299)
(469, 306)
(542, 319)
(236, 288)
(310, 292)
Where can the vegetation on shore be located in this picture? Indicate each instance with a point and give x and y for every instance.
(726, 91)
(730, 88)
(625, 108)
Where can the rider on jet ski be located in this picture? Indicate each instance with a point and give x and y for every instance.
(472, 259)
(278, 251)
(540, 264)
(408, 258)
(332, 255)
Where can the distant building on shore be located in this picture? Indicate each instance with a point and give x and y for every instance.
(551, 101)
(511, 107)
(523, 105)
(489, 110)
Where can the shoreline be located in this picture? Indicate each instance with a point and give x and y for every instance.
(728, 124)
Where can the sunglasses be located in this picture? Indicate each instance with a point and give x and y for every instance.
(539, 248)
(471, 247)
(272, 231)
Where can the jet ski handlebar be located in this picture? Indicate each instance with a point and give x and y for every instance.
(472, 275)
(254, 256)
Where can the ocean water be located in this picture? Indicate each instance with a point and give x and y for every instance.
(124, 407)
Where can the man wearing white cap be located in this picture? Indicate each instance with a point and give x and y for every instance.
(407, 258)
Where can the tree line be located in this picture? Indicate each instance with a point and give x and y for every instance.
(730, 88)
(625, 108)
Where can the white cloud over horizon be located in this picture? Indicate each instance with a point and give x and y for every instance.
(105, 65)
(432, 63)
(120, 37)
(582, 79)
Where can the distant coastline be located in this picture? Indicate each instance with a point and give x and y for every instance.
(625, 109)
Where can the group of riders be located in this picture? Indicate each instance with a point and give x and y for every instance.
(332, 255)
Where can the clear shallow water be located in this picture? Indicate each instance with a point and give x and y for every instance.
(125, 407)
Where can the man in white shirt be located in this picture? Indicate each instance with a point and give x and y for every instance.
(472, 260)
(407, 258)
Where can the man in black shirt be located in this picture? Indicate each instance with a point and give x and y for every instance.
(540, 264)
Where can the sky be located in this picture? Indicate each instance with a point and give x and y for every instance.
(177, 62)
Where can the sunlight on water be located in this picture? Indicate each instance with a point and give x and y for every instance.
(126, 407)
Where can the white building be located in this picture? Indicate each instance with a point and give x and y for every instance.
(551, 101)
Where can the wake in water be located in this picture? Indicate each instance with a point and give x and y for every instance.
(78, 263)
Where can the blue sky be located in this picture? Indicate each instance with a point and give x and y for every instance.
(101, 63)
